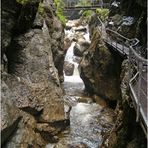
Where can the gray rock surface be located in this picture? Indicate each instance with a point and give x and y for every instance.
(98, 70)
(32, 61)
(80, 47)
(68, 68)
(10, 116)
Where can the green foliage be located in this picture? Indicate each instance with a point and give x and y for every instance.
(102, 13)
(84, 3)
(41, 8)
(86, 14)
(59, 10)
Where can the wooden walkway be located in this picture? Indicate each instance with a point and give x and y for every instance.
(138, 67)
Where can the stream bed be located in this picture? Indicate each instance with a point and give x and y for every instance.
(88, 121)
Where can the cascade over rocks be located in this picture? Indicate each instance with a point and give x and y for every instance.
(80, 47)
(98, 69)
(68, 68)
(33, 54)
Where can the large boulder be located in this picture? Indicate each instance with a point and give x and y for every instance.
(80, 47)
(98, 69)
(68, 68)
(30, 59)
(34, 76)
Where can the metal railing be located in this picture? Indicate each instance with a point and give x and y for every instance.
(138, 66)
(138, 82)
(93, 3)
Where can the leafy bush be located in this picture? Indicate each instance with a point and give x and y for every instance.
(59, 10)
(102, 13)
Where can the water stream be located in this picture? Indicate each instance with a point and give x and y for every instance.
(88, 121)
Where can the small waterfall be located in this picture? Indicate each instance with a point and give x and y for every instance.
(70, 57)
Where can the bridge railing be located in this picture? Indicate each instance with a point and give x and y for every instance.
(120, 42)
(138, 66)
(138, 82)
(75, 4)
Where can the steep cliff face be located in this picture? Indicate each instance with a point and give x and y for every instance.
(126, 132)
(106, 74)
(31, 74)
(99, 67)
(129, 19)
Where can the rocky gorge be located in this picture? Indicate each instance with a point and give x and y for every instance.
(61, 85)
(32, 45)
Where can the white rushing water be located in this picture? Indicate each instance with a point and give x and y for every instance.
(88, 120)
(75, 78)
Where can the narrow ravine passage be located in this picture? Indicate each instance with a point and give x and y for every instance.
(88, 121)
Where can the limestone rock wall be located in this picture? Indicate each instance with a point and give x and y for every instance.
(99, 69)
(31, 74)
(126, 132)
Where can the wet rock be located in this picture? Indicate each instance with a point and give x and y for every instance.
(25, 136)
(73, 23)
(78, 36)
(47, 132)
(123, 124)
(80, 29)
(100, 101)
(85, 100)
(10, 116)
(77, 59)
(34, 79)
(77, 50)
(80, 47)
(68, 68)
(67, 43)
(97, 70)
(79, 145)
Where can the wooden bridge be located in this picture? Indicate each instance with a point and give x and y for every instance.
(69, 6)
(138, 66)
